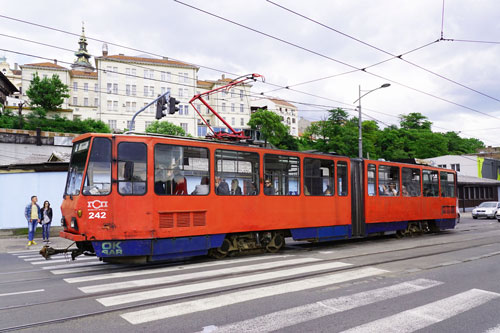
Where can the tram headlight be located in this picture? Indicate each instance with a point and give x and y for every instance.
(74, 225)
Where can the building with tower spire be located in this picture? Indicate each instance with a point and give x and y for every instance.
(82, 62)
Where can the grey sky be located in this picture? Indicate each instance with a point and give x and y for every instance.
(177, 31)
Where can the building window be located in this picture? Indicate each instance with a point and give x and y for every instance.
(115, 105)
(110, 88)
(146, 73)
(181, 110)
(241, 95)
(233, 121)
(242, 122)
(282, 175)
(152, 91)
(134, 72)
(146, 91)
(85, 101)
(75, 86)
(134, 90)
(223, 107)
(109, 105)
(442, 166)
(134, 106)
(112, 124)
(186, 109)
(75, 100)
(162, 76)
(242, 108)
(96, 87)
(96, 101)
(115, 70)
(127, 71)
(127, 89)
(169, 76)
(115, 88)
(456, 167)
(184, 127)
(85, 87)
(236, 172)
(232, 107)
(127, 106)
(293, 120)
(319, 178)
(180, 92)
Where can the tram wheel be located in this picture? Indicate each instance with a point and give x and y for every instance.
(222, 251)
(276, 243)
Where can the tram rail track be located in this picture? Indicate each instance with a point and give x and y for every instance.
(479, 242)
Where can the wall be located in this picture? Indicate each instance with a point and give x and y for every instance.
(16, 190)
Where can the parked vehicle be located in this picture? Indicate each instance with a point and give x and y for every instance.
(486, 209)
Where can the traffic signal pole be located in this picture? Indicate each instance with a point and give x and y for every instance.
(165, 95)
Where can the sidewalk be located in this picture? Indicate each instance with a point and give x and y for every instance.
(10, 241)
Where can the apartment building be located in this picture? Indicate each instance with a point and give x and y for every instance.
(286, 110)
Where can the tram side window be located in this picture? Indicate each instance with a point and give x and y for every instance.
(132, 171)
(430, 183)
(372, 187)
(342, 179)
(388, 180)
(98, 178)
(181, 170)
(76, 167)
(236, 172)
(411, 182)
(282, 175)
(319, 177)
(447, 184)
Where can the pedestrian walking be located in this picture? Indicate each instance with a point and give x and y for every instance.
(33, 215)
(46, 220)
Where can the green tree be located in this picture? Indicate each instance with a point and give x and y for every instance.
(415, 120)
(273, 130)
(165, 127)
(46, 94)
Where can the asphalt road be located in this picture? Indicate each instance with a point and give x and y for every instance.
(446, 282)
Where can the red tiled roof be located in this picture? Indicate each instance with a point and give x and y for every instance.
(82, 73)
(45, 64)
(281, 102)
(201, 83)
(16, 72)
(150, 60)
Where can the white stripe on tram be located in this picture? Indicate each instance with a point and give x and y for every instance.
(212, 273)
(285, 318)
(429, 314)
(209, 303)
(154, 270)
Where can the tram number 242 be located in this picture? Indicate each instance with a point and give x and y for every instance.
(97, 215)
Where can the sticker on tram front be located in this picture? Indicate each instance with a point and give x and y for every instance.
(111, 248)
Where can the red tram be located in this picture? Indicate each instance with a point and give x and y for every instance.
(146, 198)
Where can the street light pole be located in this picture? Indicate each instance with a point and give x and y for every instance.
(360, 132)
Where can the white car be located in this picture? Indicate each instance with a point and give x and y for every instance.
(486, 209)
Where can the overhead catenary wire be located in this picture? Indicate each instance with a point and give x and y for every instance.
(90, 38)
(336, 60)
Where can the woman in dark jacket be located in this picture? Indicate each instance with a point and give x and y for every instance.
(46, 220)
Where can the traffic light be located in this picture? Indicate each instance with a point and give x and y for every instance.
(161, 105)
(172, 105)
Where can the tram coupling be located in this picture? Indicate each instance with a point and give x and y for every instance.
(48, 251)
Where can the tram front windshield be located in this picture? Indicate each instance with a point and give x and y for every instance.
(76, 167)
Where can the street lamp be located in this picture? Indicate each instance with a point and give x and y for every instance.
(360, 139)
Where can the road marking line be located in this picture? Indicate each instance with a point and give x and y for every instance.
(209, 303)
(84, 268)
(429, 314)
(164, 270)
(74, 264)
(15, 253)
(52, 261)
(281, 319)
(23, 292)
(207, 274)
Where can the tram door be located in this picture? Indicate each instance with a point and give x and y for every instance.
(357, 198)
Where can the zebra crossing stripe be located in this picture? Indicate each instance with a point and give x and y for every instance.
(167, 269)
(208, 303)
(285, 318)
(52, 261)
(429, 314)
(212, 273)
